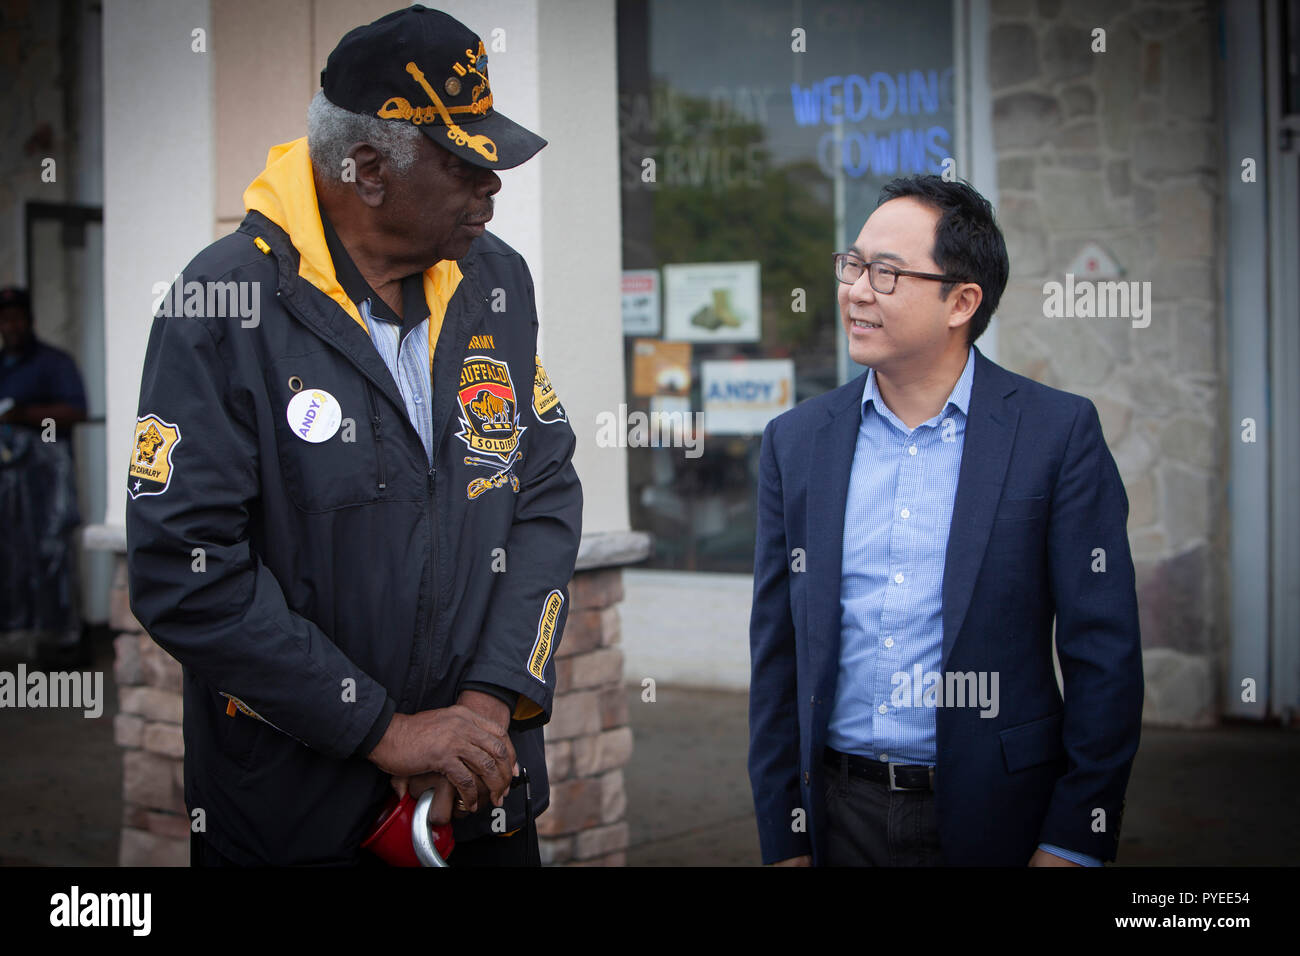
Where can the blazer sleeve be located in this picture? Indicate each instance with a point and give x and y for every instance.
(1098, 643)
(773, 713)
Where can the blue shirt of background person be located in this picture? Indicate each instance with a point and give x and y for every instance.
(41, 381)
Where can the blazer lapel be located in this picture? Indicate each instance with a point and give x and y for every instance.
(990, 433)
(828, 487)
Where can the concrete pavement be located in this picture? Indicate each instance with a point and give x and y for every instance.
(1221, 797)
(1208, 797)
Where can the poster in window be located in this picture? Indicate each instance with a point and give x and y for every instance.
(711, 302)
(661, 368)
(641, 302)
(741, 397)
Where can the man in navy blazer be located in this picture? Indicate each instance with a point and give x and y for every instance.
(920, 531)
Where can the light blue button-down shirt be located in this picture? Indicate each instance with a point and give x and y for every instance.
(896, 522)
(408, 359)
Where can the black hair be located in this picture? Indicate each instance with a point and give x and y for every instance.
(967, 240)
(15, 297)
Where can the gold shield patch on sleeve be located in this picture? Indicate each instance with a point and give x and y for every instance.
(546, 404)
(541, 652)
(151, 456)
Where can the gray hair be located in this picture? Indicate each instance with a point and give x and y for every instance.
(332, 131)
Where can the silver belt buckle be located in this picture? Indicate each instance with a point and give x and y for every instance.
(892, 784)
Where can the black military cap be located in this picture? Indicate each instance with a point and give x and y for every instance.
(424, 67)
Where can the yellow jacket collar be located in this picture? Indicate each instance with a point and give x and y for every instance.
(286, 194)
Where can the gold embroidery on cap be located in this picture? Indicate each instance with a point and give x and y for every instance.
(480, 144)
(398, 107)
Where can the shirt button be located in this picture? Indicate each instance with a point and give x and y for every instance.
(898, 578)
(418, 400)
(906, 513)
(889, 642)
(884, 758)
(883, 709)
(911, 449)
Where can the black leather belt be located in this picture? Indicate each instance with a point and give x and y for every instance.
(896, 776)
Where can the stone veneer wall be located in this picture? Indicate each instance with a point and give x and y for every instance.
(587, 741)
(1122, 147)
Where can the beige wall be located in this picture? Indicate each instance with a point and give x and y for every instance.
(263, 81)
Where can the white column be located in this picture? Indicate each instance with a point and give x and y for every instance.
(558, 76)
(159, 176)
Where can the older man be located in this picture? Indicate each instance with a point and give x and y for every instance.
(353, 512)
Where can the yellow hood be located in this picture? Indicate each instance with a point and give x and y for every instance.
(285, 194)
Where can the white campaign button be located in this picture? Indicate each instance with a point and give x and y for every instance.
(314, 415)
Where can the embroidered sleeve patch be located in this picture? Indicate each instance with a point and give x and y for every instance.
(151, 456)
(541, 652)
(546, 404)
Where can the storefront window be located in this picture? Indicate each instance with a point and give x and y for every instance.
(754, 138)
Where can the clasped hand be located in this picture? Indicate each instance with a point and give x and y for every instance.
(459, 751)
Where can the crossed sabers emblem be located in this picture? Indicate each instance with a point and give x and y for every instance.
(480, 485)
(480, 144)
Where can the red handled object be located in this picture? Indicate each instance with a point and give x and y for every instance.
(401, 836)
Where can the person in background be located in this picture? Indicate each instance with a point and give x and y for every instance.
(41, 398)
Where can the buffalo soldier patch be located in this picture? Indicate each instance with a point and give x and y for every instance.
(151, 456)
(546, 404)
(489, 421)
(545, 642)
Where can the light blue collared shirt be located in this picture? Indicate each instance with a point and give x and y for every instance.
(896, 519)
(408, 359)
(896, 522)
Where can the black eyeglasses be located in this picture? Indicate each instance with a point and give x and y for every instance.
(882, 276)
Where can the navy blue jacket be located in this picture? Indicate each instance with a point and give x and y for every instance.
(345, 580)
(1038, 492)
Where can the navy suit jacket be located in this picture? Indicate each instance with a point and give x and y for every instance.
(1037, 496)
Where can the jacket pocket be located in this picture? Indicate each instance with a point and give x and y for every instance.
(342, 470)
(1034, 743)
(1021, 509)
(236, 733)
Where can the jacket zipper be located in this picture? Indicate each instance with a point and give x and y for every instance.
(435, 524)
(431, 629)
(436, 583)
(375, 423)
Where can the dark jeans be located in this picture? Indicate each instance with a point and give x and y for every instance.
(870, 825)
(512, 850)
